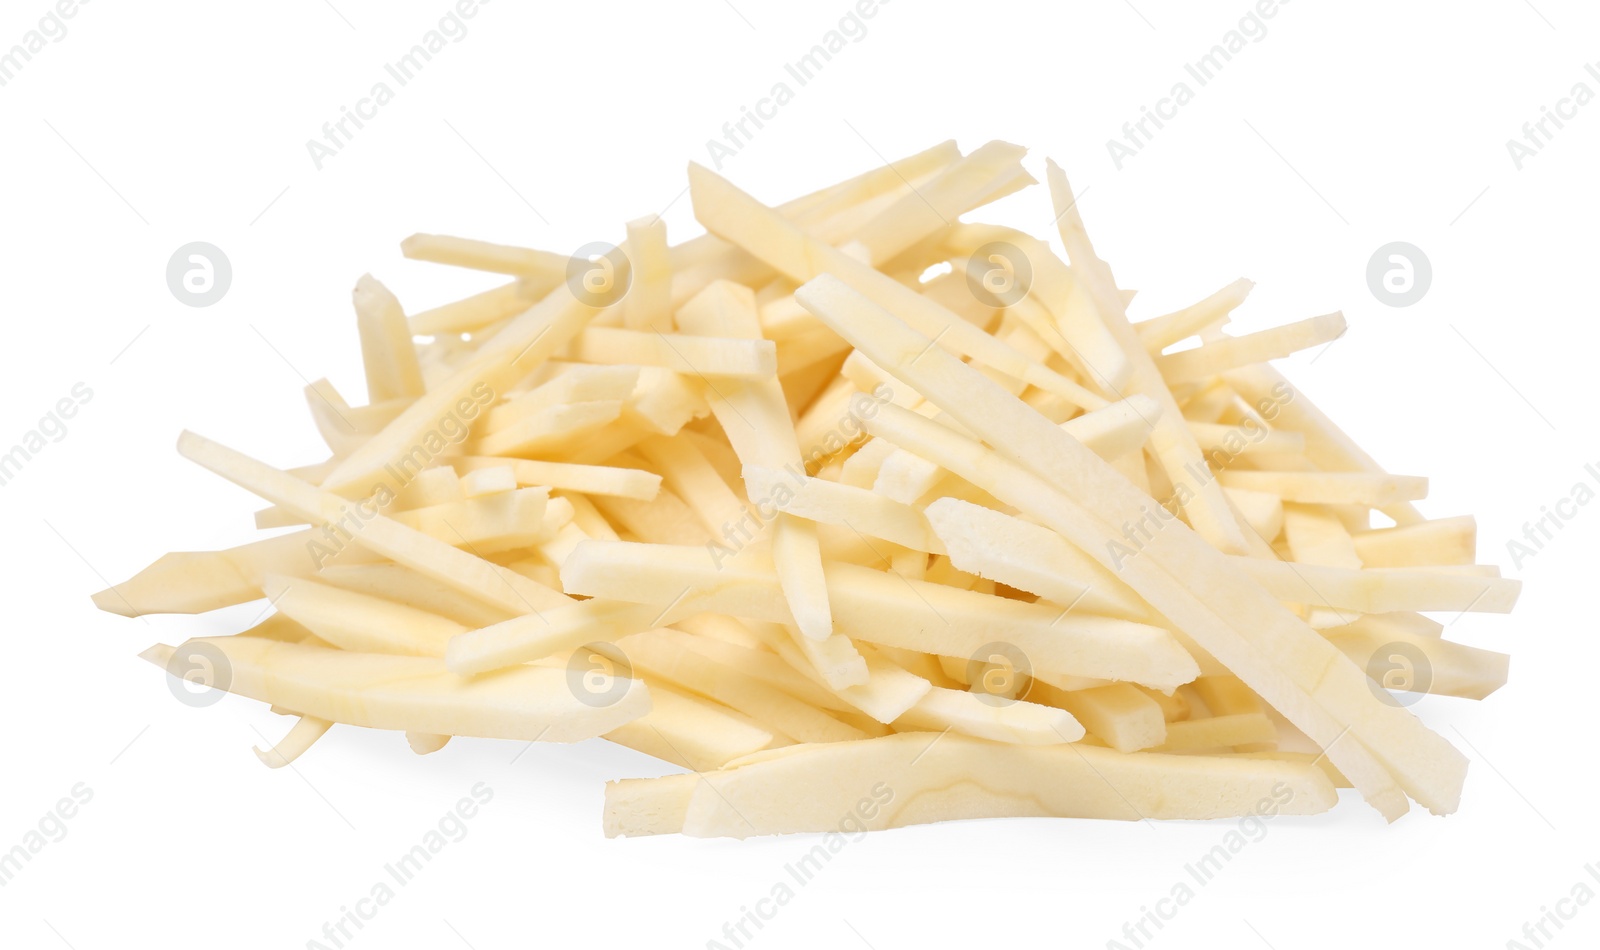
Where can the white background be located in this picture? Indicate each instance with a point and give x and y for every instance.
(1347, 126)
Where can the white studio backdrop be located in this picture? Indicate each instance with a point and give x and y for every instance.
(131, 131)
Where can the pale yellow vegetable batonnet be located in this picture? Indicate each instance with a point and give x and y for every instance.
(864, 514)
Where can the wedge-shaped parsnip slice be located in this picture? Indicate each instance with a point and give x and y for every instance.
(1030, 557)
(193, 582)
(1012, 721)
(1315, 535)
(1446, 668)
(471, 314)
(904, 780)
(877, 607)
(1158, 333)
(1381, 591)
(1225, 353)
(490, 583)
(754, 661)
(1235, 441)
(1260, 512)
(1120, 714)
(1331, 488)
(868, 512)
(1439, 541)
(1245, 731)
(535, 636)
(552, 430)
(386, 347)
(588, 479)
(664, 657)
(648, 304)
(579, 383)
(481, 255)
(691, 732)
(407, 693)
(401, 585)
(359, 623)
(679, 352)
(1168, 571)
(992, 169)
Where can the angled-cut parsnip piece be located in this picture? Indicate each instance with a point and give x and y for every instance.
(471, 314)
(193, 582)
(1260, 512)
(911, 780)
(1120, 714)
(386, 347)
(1030, 557)
(1317, 536)
(1224, 353)
(1014, 721)
(368, 528)
(1331, 488)
(550, 430)
(1172, 442)
(694, 733)
(648, 302)
(871, 605)
(579, 382)
(360, 623)
(407, 693)
(1245, 731)
(1447, 668)
(679, 352)
(481, 255)
(1233, 441)
(402, 585)
(868, 512)
(666, 658)
(554, 632)
(589, 479)
(1436, 541)
(1158, 333)
(1381, 591)
(962, 187)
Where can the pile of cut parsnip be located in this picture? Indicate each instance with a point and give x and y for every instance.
(864, 514)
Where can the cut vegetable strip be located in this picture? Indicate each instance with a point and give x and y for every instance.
(910, 780)
(405, 693)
